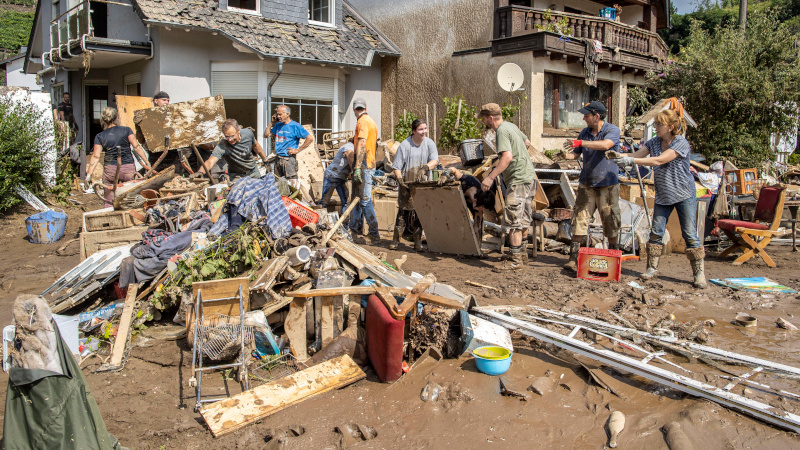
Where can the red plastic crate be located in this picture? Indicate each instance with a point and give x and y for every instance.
(599, 264)
(299, 214)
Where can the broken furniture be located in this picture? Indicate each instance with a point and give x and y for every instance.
(331, 142)
(792, 205)
(220, 334)
(385, 336)
(444, 216)
(753, 237)
(83, 280)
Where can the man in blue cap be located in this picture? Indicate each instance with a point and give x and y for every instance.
(599, 180)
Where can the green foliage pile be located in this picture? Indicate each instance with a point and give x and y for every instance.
(403, 128)
(24, 136)
(740, 88)
(15, 28)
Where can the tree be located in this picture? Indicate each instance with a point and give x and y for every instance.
(740, 88)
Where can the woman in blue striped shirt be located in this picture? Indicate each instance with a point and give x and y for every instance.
(668, 154)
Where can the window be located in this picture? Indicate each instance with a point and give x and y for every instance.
(133, 84)
(571, 94)
(317, 113)
(98, 106)
(320, 11)
(56, 10)
(244, 5)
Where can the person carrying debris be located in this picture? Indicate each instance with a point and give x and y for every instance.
(477, 200)
(668, 154)
(599, 180)
(287, 134)
(336, 175)
(416, 155)
(237, 147)
(366, 142)
(117, 141)
(519, 179)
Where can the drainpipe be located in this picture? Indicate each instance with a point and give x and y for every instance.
(269, 96)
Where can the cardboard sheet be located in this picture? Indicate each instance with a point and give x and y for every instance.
(193, 122)
(445, 218)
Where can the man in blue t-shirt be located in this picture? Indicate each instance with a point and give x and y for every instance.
(287, 135)
(599, 182)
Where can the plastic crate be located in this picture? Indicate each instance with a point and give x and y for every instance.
(299, 214)
(741, 181)
(599, 264)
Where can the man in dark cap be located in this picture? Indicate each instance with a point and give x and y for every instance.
(599, 180)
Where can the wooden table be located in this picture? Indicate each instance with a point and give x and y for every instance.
(793, 206)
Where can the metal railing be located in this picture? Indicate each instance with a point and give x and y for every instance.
(69, 27)
(520, 20)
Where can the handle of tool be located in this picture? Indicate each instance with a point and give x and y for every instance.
(644, 195)
(339, 222)
(200, 160)
(155, 164)
(116, 174)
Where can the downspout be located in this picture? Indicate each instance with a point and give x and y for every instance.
(269, 97)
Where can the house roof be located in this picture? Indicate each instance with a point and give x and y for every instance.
(663, 105)
(11, 58)
(353, 44)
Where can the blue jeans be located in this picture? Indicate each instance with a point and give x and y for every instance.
(329, 184)
(364, 209)
(687, 215)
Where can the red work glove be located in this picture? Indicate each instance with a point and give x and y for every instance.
(576, 143)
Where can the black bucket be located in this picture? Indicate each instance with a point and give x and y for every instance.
(471, 151)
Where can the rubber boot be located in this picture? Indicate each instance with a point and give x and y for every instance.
(613, 243)
(574, 249)
(515, 262)
(396, 238)
(418, 240)
(564, 233)
(697, 259)
(653, 257)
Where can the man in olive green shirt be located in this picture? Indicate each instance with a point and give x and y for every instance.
(519, 179)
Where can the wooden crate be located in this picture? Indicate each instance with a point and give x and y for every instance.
(92, 242)
(113, 220)
(741, 181)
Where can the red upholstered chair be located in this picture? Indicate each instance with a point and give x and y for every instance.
(753, 237)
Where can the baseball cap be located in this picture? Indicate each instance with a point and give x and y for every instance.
(490, 109)
(359, 103)
(594, 107)
(160, 94)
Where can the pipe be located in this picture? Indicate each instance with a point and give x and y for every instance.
(269, 96)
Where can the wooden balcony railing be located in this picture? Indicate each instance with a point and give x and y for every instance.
(511, 21)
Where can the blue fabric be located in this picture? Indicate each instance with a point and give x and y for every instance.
(687, 216)
(257, 198)
(287, 135)
(364, 210)
(597, 170)
(673, 181)
(341, 190)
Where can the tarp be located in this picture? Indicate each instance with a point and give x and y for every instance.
(47, 410)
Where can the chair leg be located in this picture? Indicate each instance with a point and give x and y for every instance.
(753, 249)
(736, 244)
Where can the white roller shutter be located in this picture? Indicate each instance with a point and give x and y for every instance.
(302, 86)
(132, 78)
(234, 85)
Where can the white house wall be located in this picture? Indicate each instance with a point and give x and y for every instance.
(125, 24)
(15, 77)
(366, 84)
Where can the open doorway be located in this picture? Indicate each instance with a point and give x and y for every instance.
(95, 100)
(100, 19)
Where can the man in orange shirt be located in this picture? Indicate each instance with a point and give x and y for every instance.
(366, 141)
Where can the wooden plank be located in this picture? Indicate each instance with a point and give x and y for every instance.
(193, 122)
(389, 301)
(118, 350)
(93, 242)
(269, 271)
(154, 183)
(295, 327)
(326, 324)
(127, 105)
(443, 213)
(410, 301)
(255, 405)
(217, 289)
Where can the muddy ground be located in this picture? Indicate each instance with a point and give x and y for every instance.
(149, 404)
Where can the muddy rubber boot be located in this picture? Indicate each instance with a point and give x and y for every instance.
(514, 264)
(396, 238)
(524, 253)
(418, 240)
(697, 259)
(613, 243)
(564, 233)
(653, 257)
(574, 249)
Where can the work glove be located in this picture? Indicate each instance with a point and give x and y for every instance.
(624, 162)
(569, 144)
(357, 178)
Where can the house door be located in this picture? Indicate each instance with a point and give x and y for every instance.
(100, 19)
(96, 98)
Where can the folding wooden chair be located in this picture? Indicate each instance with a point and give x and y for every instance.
(753, 237)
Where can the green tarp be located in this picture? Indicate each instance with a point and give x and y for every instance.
(46, 410)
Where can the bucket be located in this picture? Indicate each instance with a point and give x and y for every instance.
(471, 151)
(46, 227)
(492, 360)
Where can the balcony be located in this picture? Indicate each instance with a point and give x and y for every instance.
(627, 48)
(76, 44)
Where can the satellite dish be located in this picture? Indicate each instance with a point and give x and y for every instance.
(510, 77)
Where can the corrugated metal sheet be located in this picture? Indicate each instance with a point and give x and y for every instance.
(302, 86)
(234, 85)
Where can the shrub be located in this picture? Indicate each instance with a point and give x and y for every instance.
(24, 140)
(468, 126)
(403, 128)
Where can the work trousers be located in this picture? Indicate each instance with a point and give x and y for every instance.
(328, 185)
(589, 199)
(364, 210)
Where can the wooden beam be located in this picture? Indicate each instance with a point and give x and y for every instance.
(121, 342)
(295, 327)
(256, 404)
(411, 299)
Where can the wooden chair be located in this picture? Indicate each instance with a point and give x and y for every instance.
(753, 237)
